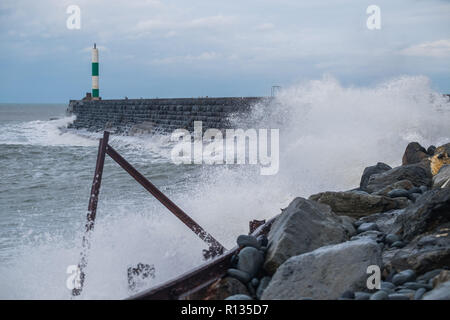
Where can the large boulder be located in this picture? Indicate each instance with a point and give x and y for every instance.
(441, 157)
(402, 184)
(325, 273)
(414, 153)
(355, 204)
(426, 252)
(369, 171)
(303, 226)
(442, 292)
(417, 174)
(442, 178)
(429, 211)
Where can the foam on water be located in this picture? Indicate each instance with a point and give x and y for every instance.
(328, 134)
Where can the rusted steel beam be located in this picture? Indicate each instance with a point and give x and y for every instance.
(198, 277)
(215, 247)
(92, 210)
(254, 224)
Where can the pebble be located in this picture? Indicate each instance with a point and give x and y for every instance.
(263, 241)
(380, 295)
(367, 226)
(263, 283)
(417, 286)
(403, 277)
(429, 275)
(423, 188)
(391, 238)
(248, 241)
(255, 282)
(362, 296)
(398, 244)
(250, 260)
(239, 297)
(242, 276)
(415, 190)
(348, 295)
(397, 193)
(398, 296)
(419, 294)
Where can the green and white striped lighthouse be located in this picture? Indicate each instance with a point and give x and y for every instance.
(95, 89)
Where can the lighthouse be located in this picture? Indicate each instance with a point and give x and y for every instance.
(95, 89)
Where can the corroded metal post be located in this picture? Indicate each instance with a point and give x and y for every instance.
(92, 210)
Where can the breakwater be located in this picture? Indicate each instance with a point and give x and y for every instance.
(131, 116)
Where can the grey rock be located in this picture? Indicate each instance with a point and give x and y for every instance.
(362, 295)
(415, 190)
(419, 293)
(368, 226)
(358, 205)
(414, 153)
(380, 295)
(402, 184)
(250, 260)
(325, 272)
(262, 240)
(430, 210)
(442, 292)
(303, 226)
(403, 277)
(423, 188)
(398, 244)
(398, 296)
(369, 171)
(255, 282)
(397, 193)
(262, 286)
(417, 286)
(391, 238)
(248, 241)
(387, 285)
(429, 275)
(442, 178)
(372, 234)
(348, 295)
(239, 297)
(418, 174)
(242, 276)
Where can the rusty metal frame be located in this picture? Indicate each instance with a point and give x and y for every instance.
(215, 248)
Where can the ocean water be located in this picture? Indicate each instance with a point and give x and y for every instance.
(328, 134)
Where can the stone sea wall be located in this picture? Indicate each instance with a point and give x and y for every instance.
(161, 115)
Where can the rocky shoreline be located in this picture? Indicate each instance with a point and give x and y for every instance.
(323, 247)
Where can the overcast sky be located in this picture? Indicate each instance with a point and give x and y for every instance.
(179, 48)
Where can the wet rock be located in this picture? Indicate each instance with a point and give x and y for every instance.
(430, 210)
(391, 238)
(303, 226)
(262, 286)
(387, 286)
(398, 296)
(255, 282)
(380, 295)
(362, 295)
(239, 297)
(441, 157)
(358, 205)
(242, 276)
(416, 285)
(398, 244)
(402, 184)
(442, 292)
(369, 171)
(348, 295)
(419, 293)
(325, 272)
(429, 275)
(397, 193)
(442, 178)
(431, 150)
(414, 153)
(442, 277)
(403, 277)
(417, 174)
(250, 260)
(248, 241)
(369, 226)
(372, 234)
(262, 240)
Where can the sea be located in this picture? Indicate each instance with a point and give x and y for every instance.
(328, 134)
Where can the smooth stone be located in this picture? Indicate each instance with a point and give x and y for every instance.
(403, 277)
(248, 241)
(380, 295)
(398, 244)
(419, 294)
(255, 282)
(262, 240)
(362, 296)
(423, 188)
(391, 238)
(416, 286)
(429, 275)
(442, 292)
(397, 193)
(348, 295)
(263, 283)
(398, 296)
(387, 285)
(415, 190)
(239, 297)
(250, 260)
(367, 226)
(242, 276)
